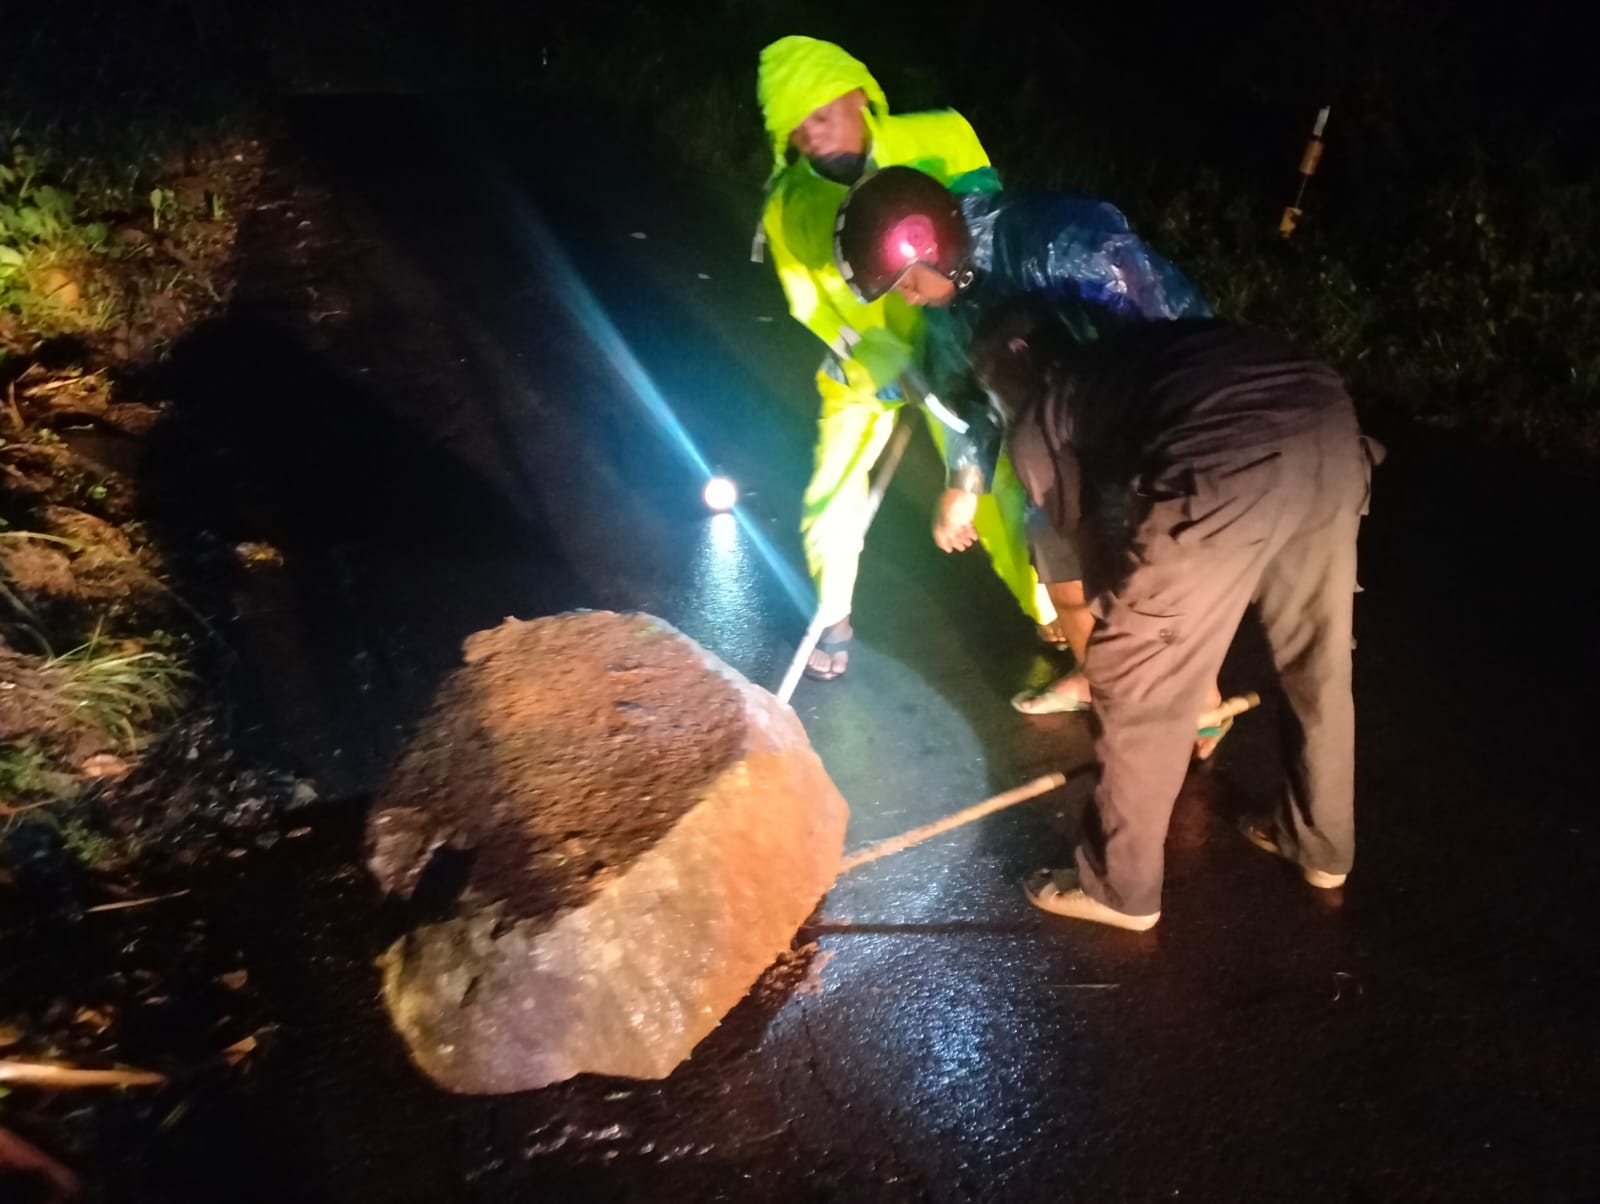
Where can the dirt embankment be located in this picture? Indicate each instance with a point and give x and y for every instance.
(119, 788)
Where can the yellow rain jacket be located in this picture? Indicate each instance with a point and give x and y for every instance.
(869, 344)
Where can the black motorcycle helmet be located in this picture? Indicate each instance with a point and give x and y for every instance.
(894, 218)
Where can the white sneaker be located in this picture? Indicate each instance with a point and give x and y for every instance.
(1058, 892)
(1258, 834)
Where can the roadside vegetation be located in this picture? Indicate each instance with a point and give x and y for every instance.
(93, 644)
(123, 171)
(120, 182)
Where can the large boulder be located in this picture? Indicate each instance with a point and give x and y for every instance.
(644, 831)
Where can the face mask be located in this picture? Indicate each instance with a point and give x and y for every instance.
(841, 169)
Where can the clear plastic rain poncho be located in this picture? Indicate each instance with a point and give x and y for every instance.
(1079, 255)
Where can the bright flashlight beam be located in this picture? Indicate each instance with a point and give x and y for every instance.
(600, 329)
(603, 333)
(798, 591)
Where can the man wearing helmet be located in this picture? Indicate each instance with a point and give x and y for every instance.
(900, 232)
(1203, 467)
(828, 120)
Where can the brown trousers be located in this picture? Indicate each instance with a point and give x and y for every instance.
(1274, 525)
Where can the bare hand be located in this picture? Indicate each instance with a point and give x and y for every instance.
(952, 520)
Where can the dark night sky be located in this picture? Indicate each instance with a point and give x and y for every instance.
(1414, 84)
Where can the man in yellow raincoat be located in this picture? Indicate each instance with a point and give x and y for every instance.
(828, 120)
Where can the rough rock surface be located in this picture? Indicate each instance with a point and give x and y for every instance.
(644, 831)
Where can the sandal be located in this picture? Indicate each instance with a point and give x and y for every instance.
(833, 648)
(1050, 699)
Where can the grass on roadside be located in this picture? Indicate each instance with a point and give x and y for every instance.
(124, 690)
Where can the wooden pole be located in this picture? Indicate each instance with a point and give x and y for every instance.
(53, 1074)
(1237, 705)
(989, 806)
(887, 463)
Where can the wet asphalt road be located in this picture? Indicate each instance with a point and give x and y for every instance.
(420, 410)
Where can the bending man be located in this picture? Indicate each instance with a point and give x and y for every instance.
(1200, 467)
(899, 232)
